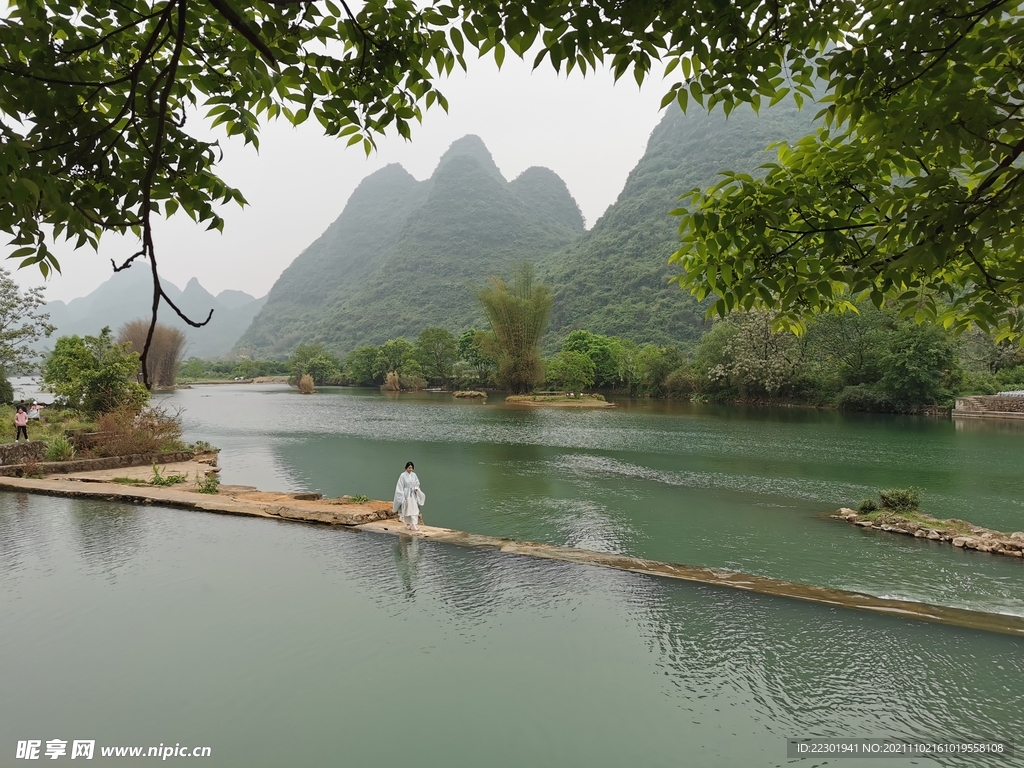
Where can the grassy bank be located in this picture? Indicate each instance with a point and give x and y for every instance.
(52, 423)
(952, 526)
(123, 431)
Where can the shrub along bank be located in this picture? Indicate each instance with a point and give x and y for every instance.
(99, 409)
(871, 360)
(195, 369)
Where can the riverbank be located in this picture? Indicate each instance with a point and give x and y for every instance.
(185, 383)
(376, 517)
(959, 533)
(989, 407)
(561, 401)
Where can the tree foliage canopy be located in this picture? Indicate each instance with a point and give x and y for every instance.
(22, 323)
(392, 355)
(436, 351)
(94, 374)
(909, 191)
(518, 313)
(167, 349)
(572, 370)
(315, 361)
(604, 351)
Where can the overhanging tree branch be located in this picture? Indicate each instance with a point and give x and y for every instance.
(148, 251)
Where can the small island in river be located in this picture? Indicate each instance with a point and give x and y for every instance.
(922, 526)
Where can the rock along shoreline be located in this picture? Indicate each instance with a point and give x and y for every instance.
(376, 517)
(956, 532)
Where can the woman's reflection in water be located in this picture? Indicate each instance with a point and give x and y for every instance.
(407, 556)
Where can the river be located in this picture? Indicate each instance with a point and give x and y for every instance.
(282, 644)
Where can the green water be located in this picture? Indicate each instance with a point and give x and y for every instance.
(724, 487)
(282, 644)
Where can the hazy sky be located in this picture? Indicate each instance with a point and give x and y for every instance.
(590, 131)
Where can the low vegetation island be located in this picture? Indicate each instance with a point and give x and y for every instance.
(569, 400)
(898, 512)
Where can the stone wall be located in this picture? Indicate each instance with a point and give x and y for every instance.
(980, 404)
(88, 465)
(19, 453)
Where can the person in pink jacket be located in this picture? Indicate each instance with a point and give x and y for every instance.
(20, 424)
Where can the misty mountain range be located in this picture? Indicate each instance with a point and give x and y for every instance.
(128, 296)
(406, 254)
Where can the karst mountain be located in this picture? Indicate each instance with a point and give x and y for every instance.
(407, 254)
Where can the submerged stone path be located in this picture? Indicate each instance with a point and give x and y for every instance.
(377, 517)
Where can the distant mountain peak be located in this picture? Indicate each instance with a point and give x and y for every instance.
(233, 299)
(405, 255)
(391, 169)
(546, 192)
(136, 273)
(126, 297)
(473, 147)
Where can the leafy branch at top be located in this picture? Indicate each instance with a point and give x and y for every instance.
(911, 188)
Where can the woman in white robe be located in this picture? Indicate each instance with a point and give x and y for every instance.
(409, 498)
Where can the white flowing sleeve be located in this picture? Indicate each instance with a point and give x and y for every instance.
(399, 494)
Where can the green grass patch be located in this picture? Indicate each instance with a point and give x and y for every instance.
(166, 481)
(52, 423)
(951, 526)
(129, 481)
(902, 505)
(209, 484)
(589, 399)
(60, 449)
(357, 499)
(157, 479)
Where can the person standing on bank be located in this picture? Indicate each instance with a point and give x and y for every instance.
(409, 498)
(20, 424)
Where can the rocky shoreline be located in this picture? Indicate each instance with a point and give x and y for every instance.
(956, 532)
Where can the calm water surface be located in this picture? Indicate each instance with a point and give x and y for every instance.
(724, 487)
(282, 644)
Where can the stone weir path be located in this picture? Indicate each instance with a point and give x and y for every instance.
(377, 517)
